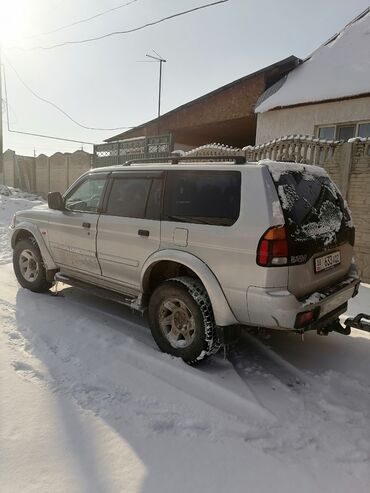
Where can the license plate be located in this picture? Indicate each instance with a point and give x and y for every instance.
(327, 261)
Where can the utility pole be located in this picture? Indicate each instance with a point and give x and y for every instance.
(1, 115)
(161, 60)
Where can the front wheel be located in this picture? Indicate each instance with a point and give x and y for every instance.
(29, 267)
(181, 319)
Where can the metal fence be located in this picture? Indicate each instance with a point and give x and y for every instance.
(138, 148)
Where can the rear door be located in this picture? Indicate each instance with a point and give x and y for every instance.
(129, 227)
(320, 230)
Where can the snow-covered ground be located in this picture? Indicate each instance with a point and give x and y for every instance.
(88, 403)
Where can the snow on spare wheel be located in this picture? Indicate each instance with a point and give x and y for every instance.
(88, 403)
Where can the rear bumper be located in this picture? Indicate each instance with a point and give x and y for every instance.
(276, 308)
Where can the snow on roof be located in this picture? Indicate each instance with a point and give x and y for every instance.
(337, 69)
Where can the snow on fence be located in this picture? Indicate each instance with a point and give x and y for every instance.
(295, 148)
(214, 150)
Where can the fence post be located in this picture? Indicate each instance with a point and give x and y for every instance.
(117, 152)
(48, 168)
(346, 167)
(34, 174)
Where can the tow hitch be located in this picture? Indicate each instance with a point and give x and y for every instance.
(360, 322)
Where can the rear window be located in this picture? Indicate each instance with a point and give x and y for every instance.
(203, 197)
(312, 205)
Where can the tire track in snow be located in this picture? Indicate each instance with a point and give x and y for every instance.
(282, 414)
(62, 357)
(302, 405)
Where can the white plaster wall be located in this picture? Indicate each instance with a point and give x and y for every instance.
(303, 119)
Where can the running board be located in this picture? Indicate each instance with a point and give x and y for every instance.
(127, 300)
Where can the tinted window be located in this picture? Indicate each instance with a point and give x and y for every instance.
(204, 197)
(153, 207)
(86, 196)
(128, 197)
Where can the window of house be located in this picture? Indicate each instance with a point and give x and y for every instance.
(364, 130)
(86, 196)
(345, 132)
(202, 197)
(128, 197)
(327, 133)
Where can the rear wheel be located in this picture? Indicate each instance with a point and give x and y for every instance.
(29, 267)
(181, 319)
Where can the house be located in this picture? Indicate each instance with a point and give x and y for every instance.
(225, 115)
(327, 95)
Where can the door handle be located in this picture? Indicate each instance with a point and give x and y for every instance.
(143, 232)
(86, 225)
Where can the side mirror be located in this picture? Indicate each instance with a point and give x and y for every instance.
(55, 201)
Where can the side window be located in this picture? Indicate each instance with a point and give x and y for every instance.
(203, 197)
(153, 206)
(86, 197)
(128, 197)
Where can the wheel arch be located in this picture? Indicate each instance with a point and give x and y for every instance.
(220, 306)
(24, 230)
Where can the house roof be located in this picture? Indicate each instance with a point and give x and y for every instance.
(340, 68)
(282, 65)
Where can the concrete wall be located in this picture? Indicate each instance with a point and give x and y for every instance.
(7, 177)
(302, 120)
(43, 174)
(58, 172)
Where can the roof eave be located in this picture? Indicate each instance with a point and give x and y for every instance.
(290, 59)
(321, 101)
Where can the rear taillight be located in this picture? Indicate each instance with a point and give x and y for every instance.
(273, 248)
(304, 319)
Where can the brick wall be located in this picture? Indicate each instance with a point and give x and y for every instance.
(358, 198)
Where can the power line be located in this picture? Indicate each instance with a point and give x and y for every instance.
(58, 107)
(115, 33)
(49, 137)
(86, 19)
(32, 133)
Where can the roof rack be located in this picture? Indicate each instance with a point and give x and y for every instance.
(231, 159)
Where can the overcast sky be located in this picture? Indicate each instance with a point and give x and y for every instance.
(102, 83)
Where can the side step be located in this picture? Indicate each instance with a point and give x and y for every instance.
(123, 299)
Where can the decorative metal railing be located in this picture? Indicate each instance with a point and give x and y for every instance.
(137, 148)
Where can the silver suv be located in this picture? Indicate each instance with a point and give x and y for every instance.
(204, 246)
